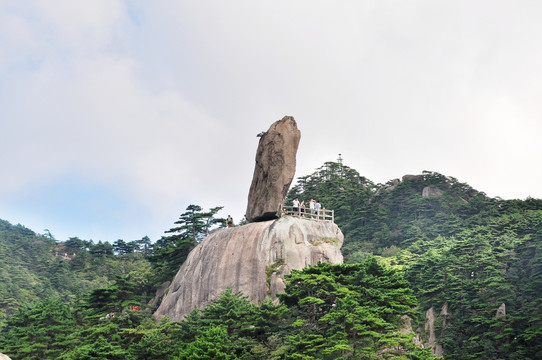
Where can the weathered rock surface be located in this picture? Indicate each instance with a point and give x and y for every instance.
(501, 311)
(274, 170)
(242, 258)
(409, 177)
(431, 191)
(430, 317)
(406, 329)
(390, 186)
(4, 357)
(160, 292)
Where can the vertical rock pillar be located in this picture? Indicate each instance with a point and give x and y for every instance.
(274, 170)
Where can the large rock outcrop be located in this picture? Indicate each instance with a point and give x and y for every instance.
(431, 191)
(274, 170)
(252, 259)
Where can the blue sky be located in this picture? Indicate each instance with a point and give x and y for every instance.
(116, 115)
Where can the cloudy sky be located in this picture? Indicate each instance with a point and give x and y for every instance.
(116, 115)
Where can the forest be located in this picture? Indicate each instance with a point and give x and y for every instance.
(413, 244)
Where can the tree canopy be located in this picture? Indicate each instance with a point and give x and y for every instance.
(424, 242)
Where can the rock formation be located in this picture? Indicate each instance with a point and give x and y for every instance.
(274, 170)
(431, 191)
(501, 311)
(412, 177)
(252, 259)
(430, 317)
(160, 292)
(390, 186)
(4, 357)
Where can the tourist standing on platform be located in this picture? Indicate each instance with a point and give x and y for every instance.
(295, 203)
(311, 206)
(317, 206)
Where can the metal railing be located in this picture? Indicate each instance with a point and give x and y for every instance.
(307, 213)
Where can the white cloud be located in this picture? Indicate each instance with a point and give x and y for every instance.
(162, 100)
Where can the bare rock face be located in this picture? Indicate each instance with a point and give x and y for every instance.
(412, 177)
(430, 317)
(501, 311)
(390, 186)
(431, 191)
(252, 259)
(160, 292)
(274, 170)
(4, 357)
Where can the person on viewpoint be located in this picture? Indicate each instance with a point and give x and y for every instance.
(295, 203)
(311, 206)
(317, 206)
(229, 221)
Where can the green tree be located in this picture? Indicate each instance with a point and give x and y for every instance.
(42, 332)
(99, 350)
(121, 247)
(101, 249)
(155, 344)
(348, 311)
(211, 343)
(171, 251)
(195, 224)
(75, 244)
(144, 245)
(474, 273)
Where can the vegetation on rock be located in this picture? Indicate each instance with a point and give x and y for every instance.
(427, 241)
(456, 246)
(327, 312)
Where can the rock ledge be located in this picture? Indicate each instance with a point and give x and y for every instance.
(241, 258)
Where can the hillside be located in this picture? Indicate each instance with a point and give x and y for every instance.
(114, 322)
(382, 218)
(34, 267)
(465, 268)
(465, 254)
(270, 250)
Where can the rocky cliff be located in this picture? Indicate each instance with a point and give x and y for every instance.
(274, 170)
(252, 259)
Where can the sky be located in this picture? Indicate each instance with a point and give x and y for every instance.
(116, 115)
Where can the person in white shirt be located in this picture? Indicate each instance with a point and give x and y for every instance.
(295, 203)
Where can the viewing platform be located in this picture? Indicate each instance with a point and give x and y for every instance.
(307, 213)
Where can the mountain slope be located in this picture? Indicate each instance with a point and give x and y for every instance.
(34, 267)
(465, 254)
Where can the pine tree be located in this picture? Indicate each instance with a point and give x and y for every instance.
(42, 332)
(171, 251)
(348, 311)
